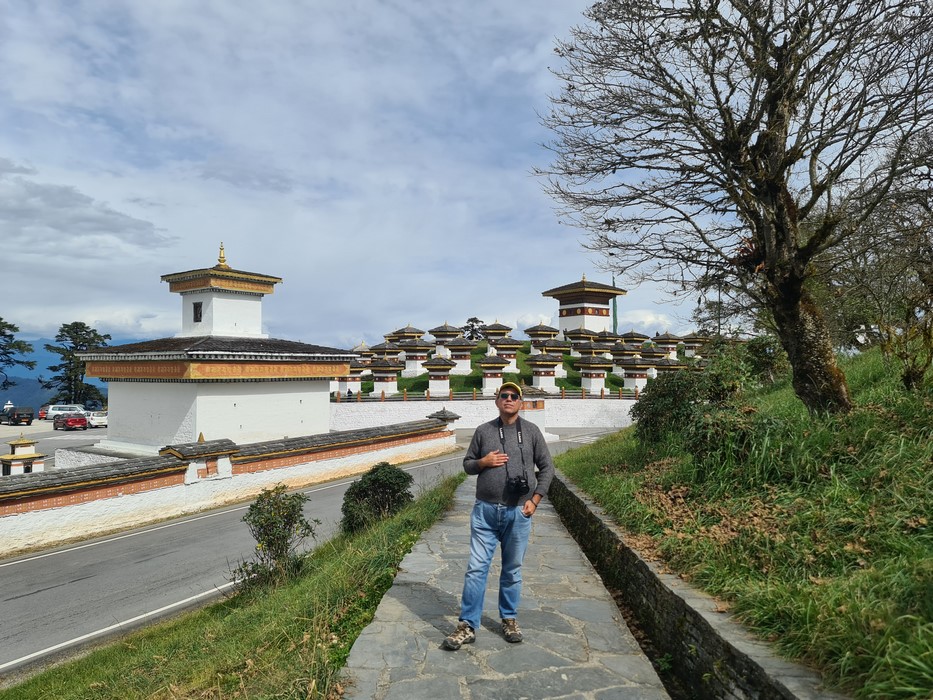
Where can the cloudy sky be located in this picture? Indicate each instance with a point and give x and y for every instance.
(376, 155)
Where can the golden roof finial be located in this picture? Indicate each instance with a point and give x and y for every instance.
(222, 258)
(584, 277)
(200, 437)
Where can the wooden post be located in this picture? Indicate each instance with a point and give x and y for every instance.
(427, 395)
(602, 393)
(359, 395)
(383, 395)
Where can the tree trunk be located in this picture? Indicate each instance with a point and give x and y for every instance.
(818, 382)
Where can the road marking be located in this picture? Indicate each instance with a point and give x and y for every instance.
(585, 439)
(111, 628)
(184, 522)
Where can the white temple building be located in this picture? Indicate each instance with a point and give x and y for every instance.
(584, 303)
(221, 376)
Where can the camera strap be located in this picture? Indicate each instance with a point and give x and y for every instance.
(521, 444)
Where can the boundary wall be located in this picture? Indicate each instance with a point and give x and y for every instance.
(47, 508)
(709, 652)
(547, 413)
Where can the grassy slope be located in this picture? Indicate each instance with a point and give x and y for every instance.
(288, 643)
(816, 530)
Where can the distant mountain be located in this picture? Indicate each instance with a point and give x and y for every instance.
(26, 392)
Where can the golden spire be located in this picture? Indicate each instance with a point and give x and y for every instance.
(584, 277)
(222, 258)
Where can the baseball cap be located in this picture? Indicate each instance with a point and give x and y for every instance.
(515, 386)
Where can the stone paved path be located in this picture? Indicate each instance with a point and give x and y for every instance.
(576, 646)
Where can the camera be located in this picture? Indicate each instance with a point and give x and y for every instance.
(517, 485)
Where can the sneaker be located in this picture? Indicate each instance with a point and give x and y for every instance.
(462, 635)
(510, 630)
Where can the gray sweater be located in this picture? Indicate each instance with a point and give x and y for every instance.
(491, 482)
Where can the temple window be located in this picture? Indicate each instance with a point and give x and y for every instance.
(198, 311)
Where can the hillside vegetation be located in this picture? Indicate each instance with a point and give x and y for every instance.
(815, 530)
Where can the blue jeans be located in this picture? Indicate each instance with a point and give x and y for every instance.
(492, 524)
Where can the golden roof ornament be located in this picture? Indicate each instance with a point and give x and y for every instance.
(222, 258)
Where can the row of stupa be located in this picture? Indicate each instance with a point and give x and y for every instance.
(632, 356)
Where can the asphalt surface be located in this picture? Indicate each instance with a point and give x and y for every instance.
(576, 645)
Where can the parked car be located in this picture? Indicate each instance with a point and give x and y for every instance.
(43, 411)
(97, 419)
(59, 408)
(17, 415)
(69, 421)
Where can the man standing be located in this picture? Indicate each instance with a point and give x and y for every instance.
(503, 455)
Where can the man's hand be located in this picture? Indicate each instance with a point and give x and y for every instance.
(496, 458)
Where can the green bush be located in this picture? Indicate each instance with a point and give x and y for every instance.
(767, 361)
(382, 491)
(727, 374)
(668, 403)
(276, 521)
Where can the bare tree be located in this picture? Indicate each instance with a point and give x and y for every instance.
(740, 139)
(886, 272)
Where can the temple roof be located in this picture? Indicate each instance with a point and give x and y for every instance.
(446, 329)
(438, 363)
(584, 286)
(408, 331)
(213, 346)
(221, 276)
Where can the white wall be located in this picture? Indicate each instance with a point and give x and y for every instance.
(223, 313)
(47, 527)
(172, 413)
(151, 413)
(257, 411)
(557, 414)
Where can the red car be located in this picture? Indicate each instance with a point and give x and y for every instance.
(69, 421)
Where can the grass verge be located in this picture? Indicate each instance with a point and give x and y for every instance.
(290, 642)
(815, 530)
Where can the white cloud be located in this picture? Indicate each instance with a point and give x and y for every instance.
(375, 155)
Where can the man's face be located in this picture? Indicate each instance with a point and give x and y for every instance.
(508, 401)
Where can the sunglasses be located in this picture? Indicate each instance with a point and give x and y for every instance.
(508, 396)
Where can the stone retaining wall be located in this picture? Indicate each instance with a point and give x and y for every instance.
(708, 651)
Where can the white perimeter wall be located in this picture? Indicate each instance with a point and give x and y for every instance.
(557, 414)
(47, 527)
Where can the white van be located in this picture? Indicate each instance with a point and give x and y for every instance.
(59, 408)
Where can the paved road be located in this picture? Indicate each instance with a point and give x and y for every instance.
(57, 600)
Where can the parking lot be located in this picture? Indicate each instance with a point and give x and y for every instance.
(49, 440)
